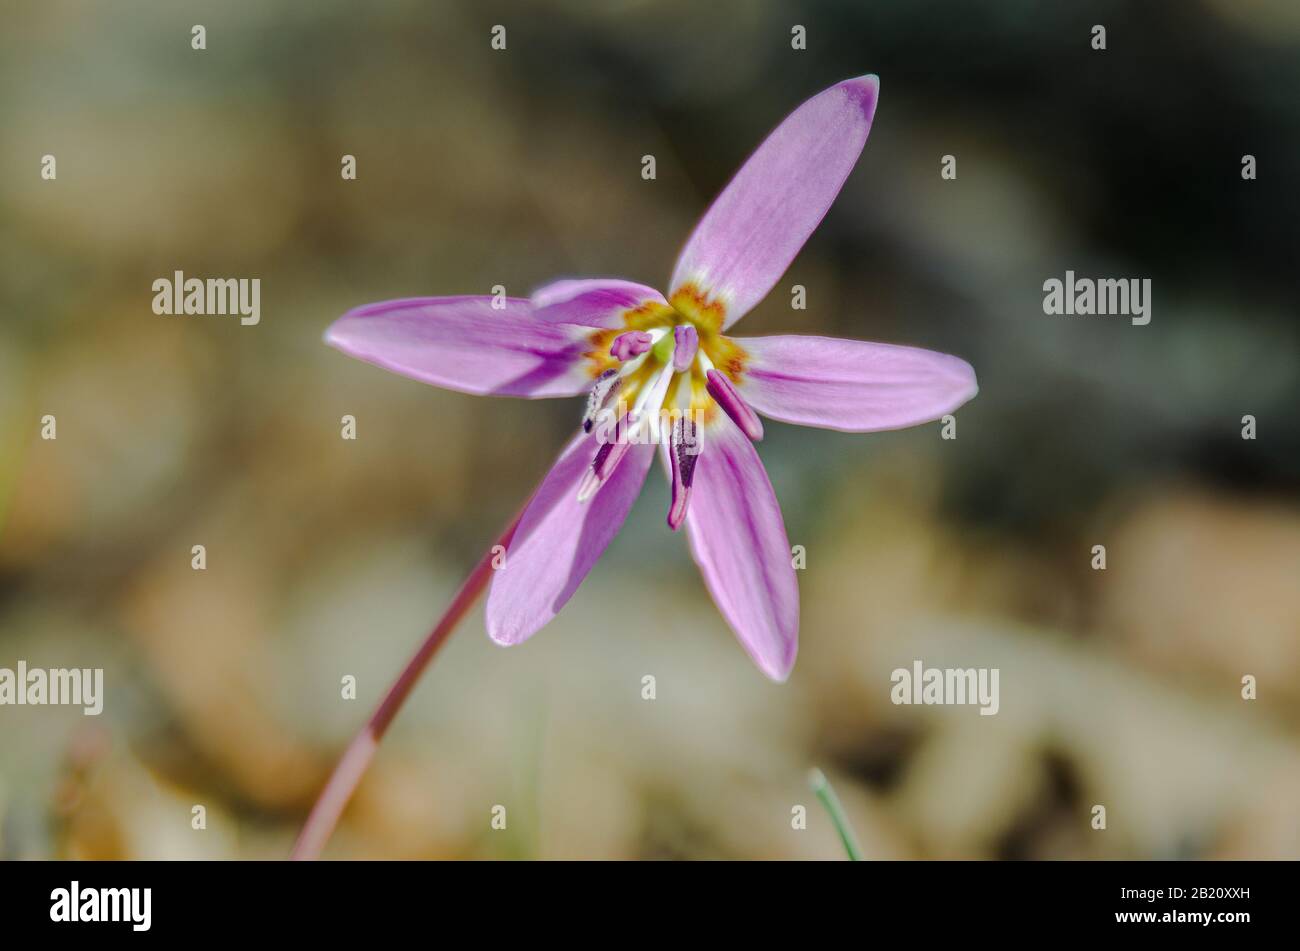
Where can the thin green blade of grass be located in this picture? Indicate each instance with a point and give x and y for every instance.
(826, 793)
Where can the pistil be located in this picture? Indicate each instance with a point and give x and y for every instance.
(631, 344)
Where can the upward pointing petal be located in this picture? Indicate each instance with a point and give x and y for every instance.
(754, 229)
(738, 540)
(466, 344)
(560, 539)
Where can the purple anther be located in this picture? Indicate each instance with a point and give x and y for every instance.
(722, 390)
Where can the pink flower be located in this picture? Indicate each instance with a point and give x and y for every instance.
(629, 346)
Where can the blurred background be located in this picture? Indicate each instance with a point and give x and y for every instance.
(328, 558)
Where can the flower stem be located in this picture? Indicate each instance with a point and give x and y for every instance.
(356, 758)
(822, 787)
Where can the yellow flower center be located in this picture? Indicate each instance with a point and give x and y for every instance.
(687, 306)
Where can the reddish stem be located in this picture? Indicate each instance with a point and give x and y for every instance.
(356, 759)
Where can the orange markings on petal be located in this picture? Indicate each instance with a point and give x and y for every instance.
(728, 356)
(695, 305)
(600, 341)
(648, 316)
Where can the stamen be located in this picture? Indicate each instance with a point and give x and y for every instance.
(607, 384)
(588, 486)
(652, 396)
(722, 390)
(687, 342)
(683, 451)
(608, 456)
(629, 428)
(611, 454)
(631, 344)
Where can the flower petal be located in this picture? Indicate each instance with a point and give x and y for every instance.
(463, 343)
(739, 541)
(754, 229)
(851, 385)
(598, 302)
(559, 540)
